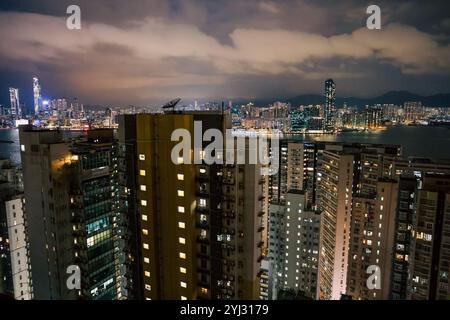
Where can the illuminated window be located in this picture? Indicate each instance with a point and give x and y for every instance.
(182, 255)
(22, 147)
(202, 171)
(148, 287)
(181, 240)
(145, 245)
(180, 160)
(146, 260)
(202, 202)
(181, 225)
(204, 290)
(183, 298)
(98, 238)
(142, 156)
(144, 217)
(182, 270)
(142, 173)
(143, 187)
(147, 273)
(145, 232)
(180, 209)
(183, 284)
(180, 193)
(144, 203)
(180, 176)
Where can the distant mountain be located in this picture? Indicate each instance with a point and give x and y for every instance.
(394, 97)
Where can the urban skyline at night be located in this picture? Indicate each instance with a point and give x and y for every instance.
(233, 153)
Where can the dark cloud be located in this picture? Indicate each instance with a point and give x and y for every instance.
(147, 51)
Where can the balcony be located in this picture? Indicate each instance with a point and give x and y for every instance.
(228, 181)
(260, 244)
(200, 239)
(204, 209)
(202, 225)
(261, 213)
(261, 229)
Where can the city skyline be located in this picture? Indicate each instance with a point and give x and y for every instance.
(224, 150)
(222, 50)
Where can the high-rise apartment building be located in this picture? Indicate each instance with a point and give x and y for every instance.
(413, 111)
(335, 194)
(430, 258)
(403, 237)
(372, 231)
(293, 224)
(201, 225)
(15, 271)
(73, 215)
(357, 201)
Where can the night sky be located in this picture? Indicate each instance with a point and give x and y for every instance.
(142, 52)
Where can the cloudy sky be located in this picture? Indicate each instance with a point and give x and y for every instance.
(143, 52)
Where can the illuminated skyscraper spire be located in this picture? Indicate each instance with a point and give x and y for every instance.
(15, 104)
(37, 95)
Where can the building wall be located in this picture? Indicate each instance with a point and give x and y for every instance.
(430, 254)
(334, 198)
(18, 249)
(372, 241)
(203, 226)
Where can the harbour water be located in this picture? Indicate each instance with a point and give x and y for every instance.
(420, 141)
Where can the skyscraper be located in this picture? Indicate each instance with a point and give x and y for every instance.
(372, 231)
(330, 100)
(36, 95)
(296, 256)
(429, 273)
(335, 195)
(293, 224)
(403, 237)
(357, 202)
(201, 228)
(72, 197)
(16, 111)
(15, 270)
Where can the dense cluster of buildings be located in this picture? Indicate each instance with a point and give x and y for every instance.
(52, 113)
(337, 220)
(330, 118)
(326, 117)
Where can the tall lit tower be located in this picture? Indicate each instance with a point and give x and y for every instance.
(330, 99)
(15, 104)
(37, 94)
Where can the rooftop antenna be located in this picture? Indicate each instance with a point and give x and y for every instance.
(171, 104)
